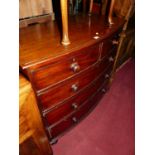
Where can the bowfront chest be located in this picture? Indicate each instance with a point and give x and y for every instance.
(69, 80)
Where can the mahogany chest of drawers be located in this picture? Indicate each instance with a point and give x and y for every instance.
(68, 81)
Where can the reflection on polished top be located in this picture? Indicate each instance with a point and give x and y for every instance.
(42, 42)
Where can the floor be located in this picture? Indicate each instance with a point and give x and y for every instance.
(109, 129)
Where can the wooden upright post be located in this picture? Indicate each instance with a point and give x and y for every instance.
(84, 5)
(111, 12)
(64, 14)
(103, 6)
(90, 7)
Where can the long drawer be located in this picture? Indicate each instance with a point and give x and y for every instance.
(59, 93)
(75, 102)
(45, 77)
(76, 117)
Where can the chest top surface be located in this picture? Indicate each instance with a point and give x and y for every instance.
(41, 42)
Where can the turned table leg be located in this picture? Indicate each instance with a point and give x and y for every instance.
(84, 6)
(110, 20)
(103, 7)
(65, 39)
(90, 7)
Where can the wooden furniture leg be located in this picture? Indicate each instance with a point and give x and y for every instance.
(111, 12)
(65, 39)
(103, 6)
(122, 36)
(90, 7)
(84, 6)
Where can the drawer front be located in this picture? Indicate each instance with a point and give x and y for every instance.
(69, 88)
(75, 118)
(74, 103)
(47, 76)
(108, 45)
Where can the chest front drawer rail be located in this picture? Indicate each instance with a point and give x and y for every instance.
(52, 97)
(45, 77)
(78, 116)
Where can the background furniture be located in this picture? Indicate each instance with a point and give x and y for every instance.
(32, 11)
(32, 137)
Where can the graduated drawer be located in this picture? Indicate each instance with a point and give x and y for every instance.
(45, 77)
(75, 102)
(108, 45)
(69, 122)
(52, 97)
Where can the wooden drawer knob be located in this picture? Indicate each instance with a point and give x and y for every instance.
(111, 59)
(74, 88)
(115, 42)
(75, 67)
(107, 76)
(74, 119)
(103, 90)
(74, 106)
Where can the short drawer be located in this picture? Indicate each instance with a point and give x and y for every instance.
(75, 118)
(71, 87)
(50, 75)
(74, 103)
(108, 45)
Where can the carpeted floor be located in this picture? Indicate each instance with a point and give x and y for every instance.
(109, 129)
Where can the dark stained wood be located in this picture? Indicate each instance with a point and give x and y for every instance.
(75, 102)
(65, 68)
(51, 98)
(109, 44)
(74, 119)
(68, 81)
(40, 44)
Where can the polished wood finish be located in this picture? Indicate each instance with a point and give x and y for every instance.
(84, 5)
(51, 98)
(64, 14)
(90, 6)
(32, 137)
(103, 6)
(110, 15)
(46, 37)
(75, 118)
(68, 79)
(72, 105)
(83, 60)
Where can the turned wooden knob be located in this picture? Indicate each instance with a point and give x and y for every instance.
(103, 90)
(107, 76)
(74, 88)
(90, 7)
(74, 106)
(75, 67)
(115, 42)
(74, 119)
(111, 59)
